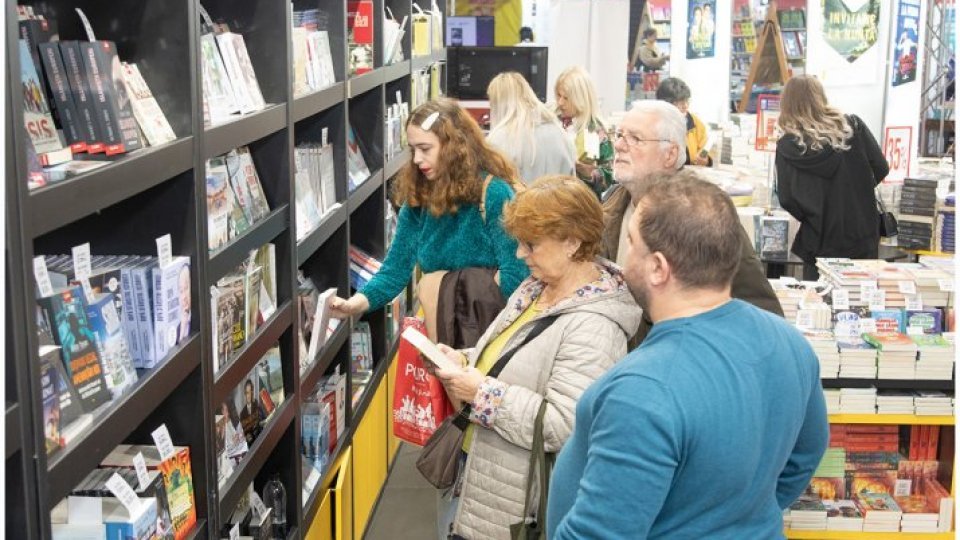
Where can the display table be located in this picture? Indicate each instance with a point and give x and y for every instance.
(777, 267)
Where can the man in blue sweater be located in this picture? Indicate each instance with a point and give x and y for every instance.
(717, 422)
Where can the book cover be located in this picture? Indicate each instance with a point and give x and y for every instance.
(38, 30)
(929, 319)
(118, 369)
(890, 342)
(238, 183)
(773, 237)
(172, 307)
(66, 315)
(110, 98)
(266, 258)
(260, 206)
(217, 88)
(142, 277)
(876, 502)
(60, 89)
(36, 113)
(218, 205)
(234, 301)
(271, 376)
(889, 321)
(357, 170)
(50, 397)
(828, 488)
(243, 78)
(328, 178)
(859, 482)
(247, 402)
(146, 110)
(178, 481)
(251, 291)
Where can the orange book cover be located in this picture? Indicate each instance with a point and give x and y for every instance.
(178, 481)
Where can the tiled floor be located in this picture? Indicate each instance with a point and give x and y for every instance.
(408, 506)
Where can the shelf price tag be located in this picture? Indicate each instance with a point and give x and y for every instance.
(946, 285)
(81, 261)
(877, 300)
(124, 493)
(164, 250)
(256, 503)
(235, 532)
(42, 277)
(865, 288)
(914, 302)
(907, 287)
(141, 467)
(841, 299)
(902, 487)
(161, 437)
(868, 326)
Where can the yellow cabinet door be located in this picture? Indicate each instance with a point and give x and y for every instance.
(370, 458)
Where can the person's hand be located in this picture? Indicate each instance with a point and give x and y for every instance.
(462, 384)
(701, 160)
(344, 309)
(456, 358)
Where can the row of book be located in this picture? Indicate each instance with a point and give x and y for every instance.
(427, 28)
(312, 60)
(315, 184)
(316, 324)
(230, 85)
(873, 401)
(114, 502)
(917, 213)
(881, 284)
(323, 425)
(945, 226)
(362, 267)
(242, 416)
(875, 512)
(80, 101)
(357, 170)
(425, 84)
(235, 197)
(395, 134)
(360, 23)
(241, 302)
(256, 517)
(884, 356)
(393, 32)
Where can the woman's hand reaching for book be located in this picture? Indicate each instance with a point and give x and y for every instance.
(343, 309)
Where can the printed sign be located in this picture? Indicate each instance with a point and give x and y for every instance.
(897, 142)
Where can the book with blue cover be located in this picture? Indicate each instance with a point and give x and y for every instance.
(929, 319)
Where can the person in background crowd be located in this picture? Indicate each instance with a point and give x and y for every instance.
(732, 421)
(526, 37)
(525, 130)
(558, 222)
(828, 165)
(579, 113)
(650, 140)
(446, 220)
(676, 92)
(651, 59)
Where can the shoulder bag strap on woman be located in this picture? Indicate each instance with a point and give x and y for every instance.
(483, 197)
(531, 528)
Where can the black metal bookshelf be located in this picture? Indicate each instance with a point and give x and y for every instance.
(122, 207)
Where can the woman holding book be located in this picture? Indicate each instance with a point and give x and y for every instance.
(828, 165)
(579, 113)
(525, 130)
(451, 197)
(565, 325)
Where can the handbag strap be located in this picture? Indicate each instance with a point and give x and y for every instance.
(483, 197)
(538, 458)
(882, 207)
(463, 417)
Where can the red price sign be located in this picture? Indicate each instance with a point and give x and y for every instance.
(897, 142)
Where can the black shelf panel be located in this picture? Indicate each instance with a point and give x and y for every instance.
(222, 138)
(368, 392)
(364, 191)
(310, 104)
(199, 532)
(329, 225)
(59, 204)
(12, 442)
(251, 464)
(314, 371)
(269, 333)
(394, 165)
(68, 467)
(396, 71)
(362, 84)
(231, 255)
(889, 384)
(294, 533)
(310, 509)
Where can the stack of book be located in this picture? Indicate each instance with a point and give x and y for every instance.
(807, 513)
(789, 292)
(230, 84)
(312, 61)
(880, 512)
(849, 275)
(323, 421)
(894, 402)
(945, 229)
(897, 356)
(832, 398)
(858, 400)
(825, 347)
(920, 442)
(315, 185)
(858, 359)
(933, 402)
(843, 515)
(936, 357)
(362, 267)
(235, 197)
(918, 201)
(920, 514)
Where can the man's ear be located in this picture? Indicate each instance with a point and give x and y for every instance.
(670, 158)
(659, 270)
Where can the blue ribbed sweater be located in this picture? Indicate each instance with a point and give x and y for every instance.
(449, 242)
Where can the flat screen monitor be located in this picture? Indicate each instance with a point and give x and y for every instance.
(470, 69)
(470, 31)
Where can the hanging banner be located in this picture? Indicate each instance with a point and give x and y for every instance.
(850, 26)
(905, 48)
(700, 28)
(768, 112)
(896, 148)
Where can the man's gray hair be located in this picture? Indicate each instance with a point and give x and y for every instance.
(672, 126)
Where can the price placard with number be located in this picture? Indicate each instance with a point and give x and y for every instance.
(897, 144)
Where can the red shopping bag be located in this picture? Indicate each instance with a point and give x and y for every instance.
(419, 401)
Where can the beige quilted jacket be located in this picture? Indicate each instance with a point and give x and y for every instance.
(587, 338)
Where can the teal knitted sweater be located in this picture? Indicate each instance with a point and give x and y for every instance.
(449, 242)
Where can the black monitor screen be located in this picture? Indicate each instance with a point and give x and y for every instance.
(470, 69)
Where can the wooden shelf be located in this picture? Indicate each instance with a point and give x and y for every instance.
(856, 535)
(904, 419)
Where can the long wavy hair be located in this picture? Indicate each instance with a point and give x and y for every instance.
(515, 113)
(465, 158)
(806, 114)
(577, 85)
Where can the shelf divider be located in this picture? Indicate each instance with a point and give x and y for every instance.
(330, 224)
(313, 103)
(231, 255)
(364, 191)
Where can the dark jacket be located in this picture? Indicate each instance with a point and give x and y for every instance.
(468, 301)
(749, 283)
(831, 193)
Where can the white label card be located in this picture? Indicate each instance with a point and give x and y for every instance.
(877, 300)
(841, 299)
(805, 319)
(81, 261)
(946, 285)
(161, 437)
(591, 144)
(164, 250)
(87, 289)
(259, 509)
(868, 326)
(914, 302)
(42, 277)
(141, 467)
(902, 487)
(865, 288)
(122, 491)
(907, 287)
(235, 532)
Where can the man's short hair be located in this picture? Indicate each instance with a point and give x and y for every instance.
(673, 90)
(694, 224)
(671, 127)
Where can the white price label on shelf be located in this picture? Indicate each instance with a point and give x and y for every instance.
(907, 287)
(914, 302)
(140, 465)
(946, 285)
(841, 299)
(805, 319)
(914, 330)
(256, 503)
(87, 289)
(235, 532)
(42, 277)
(122, 491)
(161, 437)
(868, 326)
(81, 261)
(877, 300)
(164, 250)
(903, 487)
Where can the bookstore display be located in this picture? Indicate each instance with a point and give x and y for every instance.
(183, 198)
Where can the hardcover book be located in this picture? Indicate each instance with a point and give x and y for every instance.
(60, 89)
(172, 309)
(105, 323)
(146, 110)
(110, 98)
(36, 112)
(271, 376)
(246, 399)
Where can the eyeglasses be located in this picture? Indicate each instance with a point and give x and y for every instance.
(633, 140)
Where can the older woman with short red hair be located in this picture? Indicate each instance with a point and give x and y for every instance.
(586, 314)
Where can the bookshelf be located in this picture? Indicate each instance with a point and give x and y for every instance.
(122, 207)
(853, 535)
(902, 419)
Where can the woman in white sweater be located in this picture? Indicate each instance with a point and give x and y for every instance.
(525, 130)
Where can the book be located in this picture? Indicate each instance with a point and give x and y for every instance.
(271, 378)
(110, 98)
(111, 343)
(251, 291)
(246, 399)
(56, 75)
(50, 398)
(430, 351)
(929, 319)
(243, 78)
(146, 110)
(258, 200)
(36, 113)
(217, 88)
(889, 321)
(218, 207)
(357, 170)
(81, 92)
(178, 481)
(318, 333)
(172, 305)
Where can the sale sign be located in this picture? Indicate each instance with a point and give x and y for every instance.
(897, 142)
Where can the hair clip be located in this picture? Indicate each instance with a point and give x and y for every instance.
(429, 121)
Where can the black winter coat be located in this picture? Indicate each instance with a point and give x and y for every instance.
(831, 194)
